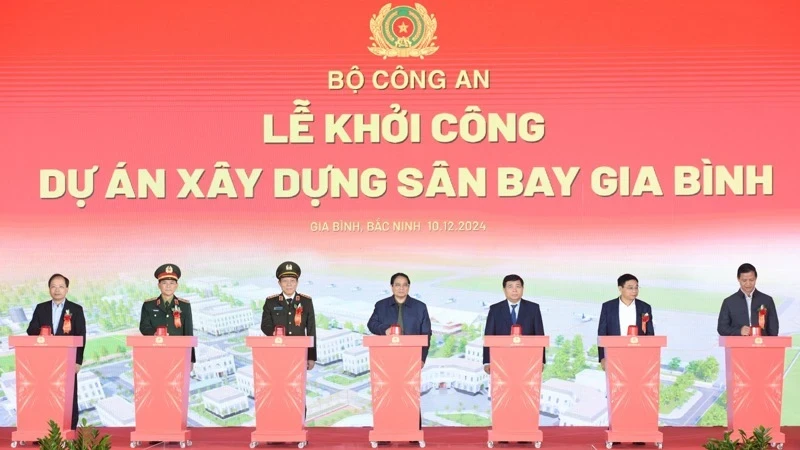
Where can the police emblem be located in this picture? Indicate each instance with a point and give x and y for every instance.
(634, 340)
(403, 32)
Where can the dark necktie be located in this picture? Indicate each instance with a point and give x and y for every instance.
(513, 314)
(400, 316)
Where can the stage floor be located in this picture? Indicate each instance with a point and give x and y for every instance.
(561, 438)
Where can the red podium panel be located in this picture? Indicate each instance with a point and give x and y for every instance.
(633, 372)
(161, 367)
(516, 377)
(395, 363)
(45, 384)
(279, 381)
(754, 376)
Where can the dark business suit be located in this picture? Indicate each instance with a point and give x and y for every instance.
(609, 321)
(498, 322)
(733, 314)
(43, 315)
(415, 319)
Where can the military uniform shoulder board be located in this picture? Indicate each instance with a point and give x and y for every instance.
(273, 296)
(180, 300)
(151, 299)
(304, 296)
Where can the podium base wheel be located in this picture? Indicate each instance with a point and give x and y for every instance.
(421, 444)
(253, 444)
(659, 445)
(302, 444)
(182, 444)
(537, 444)
(135, 444)
(13, 444)
(490, 444)
(373, 444)
(609, 444)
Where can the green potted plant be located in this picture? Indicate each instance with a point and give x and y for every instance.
(758, 440)
(53, 441)
(86, 438)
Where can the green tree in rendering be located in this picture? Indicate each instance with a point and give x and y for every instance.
(462, 345)
(709, 369)
(449, 346)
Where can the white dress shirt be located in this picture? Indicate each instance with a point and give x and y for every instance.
(57, 309)
(627, 316)
(749, 300)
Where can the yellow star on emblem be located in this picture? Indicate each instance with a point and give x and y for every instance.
(403, 27)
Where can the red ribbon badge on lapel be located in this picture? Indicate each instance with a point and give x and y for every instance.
(645, 319)
(67, 327)
(176, 316)
(762, 317)
(298, 315)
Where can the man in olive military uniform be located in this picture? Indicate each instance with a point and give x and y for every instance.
(167, 310)
(290, 309)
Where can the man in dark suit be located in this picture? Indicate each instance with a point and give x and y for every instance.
(65, 319)
(290, 309)
(742, 310)
(511, 311)
(403, 310)
(618, 314)
(626, 310)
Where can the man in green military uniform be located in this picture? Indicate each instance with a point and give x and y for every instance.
(290, 309)
(167, 310)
